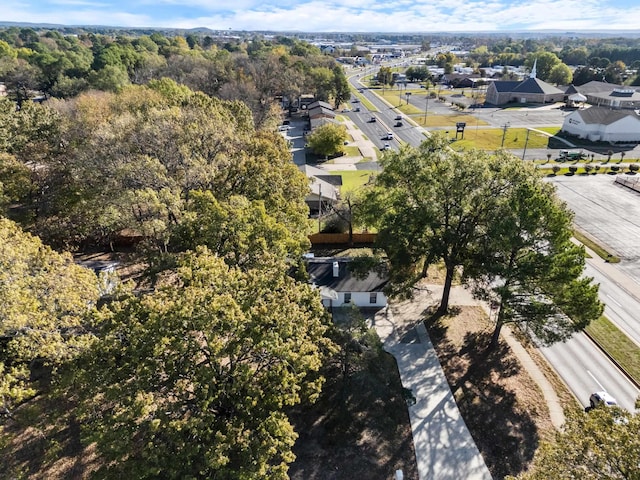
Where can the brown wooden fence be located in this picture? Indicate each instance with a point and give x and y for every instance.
(341, 238)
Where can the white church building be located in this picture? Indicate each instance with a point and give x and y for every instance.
(599, 124)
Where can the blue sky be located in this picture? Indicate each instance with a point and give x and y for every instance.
(335, 15)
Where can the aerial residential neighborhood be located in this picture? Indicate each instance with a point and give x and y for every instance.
(271, 253)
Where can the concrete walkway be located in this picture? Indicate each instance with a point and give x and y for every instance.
(444, 447)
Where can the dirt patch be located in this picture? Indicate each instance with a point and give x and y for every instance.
(42, 442)
(357, 429)
(502, 406)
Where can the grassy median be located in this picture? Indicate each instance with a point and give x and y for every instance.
(618, 345)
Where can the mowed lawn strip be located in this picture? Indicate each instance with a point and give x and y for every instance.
(596, 247)
(618, 345)
(353, 179)
(491, 138)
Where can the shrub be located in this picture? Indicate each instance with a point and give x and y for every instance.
(573, 169)
(634, 167)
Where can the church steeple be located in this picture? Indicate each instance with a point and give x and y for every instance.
(533, 70)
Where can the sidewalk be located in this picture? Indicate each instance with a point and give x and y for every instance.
(444, 447)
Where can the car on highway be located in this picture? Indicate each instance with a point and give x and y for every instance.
(372, 120)
(602, 398)
(398, 124)
(357, 109)
(389, 136)
(386, 146)
(398, 117)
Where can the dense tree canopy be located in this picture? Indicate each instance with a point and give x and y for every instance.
(192, 380)
(45, 300)
(327, 139)
(602, 444)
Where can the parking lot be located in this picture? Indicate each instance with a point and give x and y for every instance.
(608, 212)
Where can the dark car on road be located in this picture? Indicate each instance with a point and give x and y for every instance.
(398, 124)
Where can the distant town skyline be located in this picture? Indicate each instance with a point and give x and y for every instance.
(335, 15)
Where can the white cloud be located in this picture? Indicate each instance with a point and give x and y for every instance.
(335, 15)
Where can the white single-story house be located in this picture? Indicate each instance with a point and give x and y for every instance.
(604, 125)
(339, 286)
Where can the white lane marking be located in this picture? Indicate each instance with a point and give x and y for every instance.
(611, 298)
(596, 380)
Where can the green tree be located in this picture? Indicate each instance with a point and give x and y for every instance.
(45, 299)
(341, 91)
(600, 444)
(238, 230)
(560, 74)
(327, 139)
(193, 380)
(545, 61)
(528, 265)
(385, 76)
(432, 204)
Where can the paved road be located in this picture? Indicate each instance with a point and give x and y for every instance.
(621, 308)
(585, 369)
(609, 213)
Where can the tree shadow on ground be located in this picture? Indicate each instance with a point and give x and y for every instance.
(505, 432)
(361, 425)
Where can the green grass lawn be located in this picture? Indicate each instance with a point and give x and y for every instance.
(449, 121)
(353, 179)
(621, 348)
(351, 151)
(491, 138)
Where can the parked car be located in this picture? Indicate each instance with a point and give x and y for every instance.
(602, 398)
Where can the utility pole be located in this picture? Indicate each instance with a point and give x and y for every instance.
(525, 143)
(426, 109)
(504, 133)
(319, 205)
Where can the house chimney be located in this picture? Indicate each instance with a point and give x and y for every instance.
(336, 269)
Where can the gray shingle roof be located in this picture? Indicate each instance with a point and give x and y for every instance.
(604, 116)
(506, 85)
(535, 85)
(321, 273)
